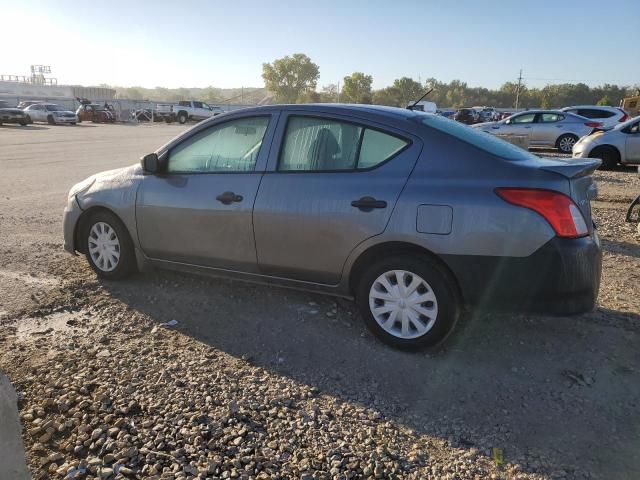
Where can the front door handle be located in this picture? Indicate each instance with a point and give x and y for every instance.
(366, 204)
(228, 198)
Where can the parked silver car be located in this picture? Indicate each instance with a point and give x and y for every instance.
(50, 113)
(544, 128)
(620, 144)
(413, 215)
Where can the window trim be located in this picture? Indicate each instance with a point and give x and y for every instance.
(167, 153)
(360, 140)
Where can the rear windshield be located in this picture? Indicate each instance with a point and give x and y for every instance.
(485, 141)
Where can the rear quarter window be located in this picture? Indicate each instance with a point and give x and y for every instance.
(482, 140)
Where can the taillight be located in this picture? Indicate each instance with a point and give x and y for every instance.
(624, 116)
(593, 124)
(558, 209)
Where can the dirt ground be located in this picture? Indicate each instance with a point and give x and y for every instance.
(261, 382)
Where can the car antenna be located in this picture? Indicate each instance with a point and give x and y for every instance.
(411, 107)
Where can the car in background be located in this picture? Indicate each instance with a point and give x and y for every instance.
(487, 114)
(187, 110)
(544, 128)
(11, 114)
(51, 113)
(94, 112)
(620, 144)
(608, 116)
(468, 116)
(25, 103)
(413, 215)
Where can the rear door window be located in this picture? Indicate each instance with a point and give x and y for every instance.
(551, 117)
(316, 144)
(524, 118)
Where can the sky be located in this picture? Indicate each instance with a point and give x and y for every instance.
(197, 43)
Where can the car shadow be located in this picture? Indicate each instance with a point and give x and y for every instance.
(541, 387)
(621, 248)
(26, 127)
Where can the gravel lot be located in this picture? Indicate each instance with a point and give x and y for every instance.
(258, 382)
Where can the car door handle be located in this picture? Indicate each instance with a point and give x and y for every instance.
(366, 204)
(228, 198)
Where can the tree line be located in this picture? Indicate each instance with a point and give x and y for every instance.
(293, 79)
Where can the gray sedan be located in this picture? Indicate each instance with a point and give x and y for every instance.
(544, 128)
(383, 205)
(620, 144)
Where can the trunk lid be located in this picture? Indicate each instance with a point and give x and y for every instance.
(579, 174)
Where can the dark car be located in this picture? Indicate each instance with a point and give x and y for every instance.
(413, 215)
(11, 114)
(94, 112)
(466, 116)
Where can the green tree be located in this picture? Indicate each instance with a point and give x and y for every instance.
(387, 96)
(329, 93)
(408, 89)
(357, 88)
(289, 77)
(604, 101)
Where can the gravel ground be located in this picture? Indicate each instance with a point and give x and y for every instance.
(258, 382)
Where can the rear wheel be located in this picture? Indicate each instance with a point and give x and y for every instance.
(51, 120)
(408, 301)
(29, 119)
(609, 156)
(182, 117)
(23, 123)
(108, 246)
(566, 142)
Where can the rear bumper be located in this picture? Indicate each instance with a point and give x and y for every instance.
(560, 278)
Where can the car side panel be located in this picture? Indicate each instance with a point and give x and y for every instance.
(452, 173)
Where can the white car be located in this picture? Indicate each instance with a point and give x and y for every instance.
(543, 128)
(620, 144)
(608, 116)
(187, 110)
(50, 113)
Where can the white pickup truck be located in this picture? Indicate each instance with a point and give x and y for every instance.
(186, 110)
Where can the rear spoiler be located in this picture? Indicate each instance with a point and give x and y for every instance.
(571, 168)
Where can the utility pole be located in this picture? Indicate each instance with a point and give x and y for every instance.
(338, 93)
(518, 89)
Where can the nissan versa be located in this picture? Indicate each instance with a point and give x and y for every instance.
(414, 216)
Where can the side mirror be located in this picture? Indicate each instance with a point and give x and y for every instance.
(150, 163)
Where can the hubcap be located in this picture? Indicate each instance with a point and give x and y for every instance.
(566, 144)
(403, 304)
(104, 246)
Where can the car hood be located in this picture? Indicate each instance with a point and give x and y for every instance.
(118, 182)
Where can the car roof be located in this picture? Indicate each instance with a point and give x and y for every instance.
(595, 107)
(395, 113)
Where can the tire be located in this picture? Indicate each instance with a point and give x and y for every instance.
(182, 118)
(566, 142)
(29, 119)
(434, 283)
(79, 120)
(50, 120)
(109, 261)
(609, 155)
(73, 123)
(24, 123)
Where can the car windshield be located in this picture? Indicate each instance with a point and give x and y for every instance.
(55, 108)
(485, 141)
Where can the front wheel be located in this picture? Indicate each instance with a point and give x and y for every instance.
(23, 123)
(51, 120)
(408, 301)
(182, 118)
(609, 156)
(29, 119)
(566, 142)
(108, 246)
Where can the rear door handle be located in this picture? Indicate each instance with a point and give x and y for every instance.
(366, 204)
(229, 197)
